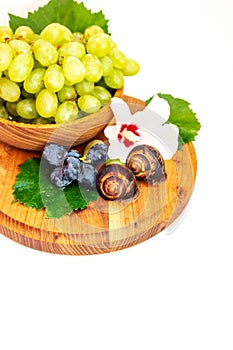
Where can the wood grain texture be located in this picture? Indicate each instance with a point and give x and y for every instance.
(104, 226)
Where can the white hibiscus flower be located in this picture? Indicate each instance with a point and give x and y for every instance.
(143, 127)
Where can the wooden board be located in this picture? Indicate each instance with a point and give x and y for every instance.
(104, 226)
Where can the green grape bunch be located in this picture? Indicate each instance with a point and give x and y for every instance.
(58, 76)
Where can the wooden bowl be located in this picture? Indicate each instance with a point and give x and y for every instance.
(34, 137)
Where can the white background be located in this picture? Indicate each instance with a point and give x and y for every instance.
(173, 291)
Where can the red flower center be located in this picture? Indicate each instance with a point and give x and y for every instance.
(128, 134)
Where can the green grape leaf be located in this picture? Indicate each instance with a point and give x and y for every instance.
(183, 117)
(34, 189)
(147, 102)
(69, 13)
(26, 187)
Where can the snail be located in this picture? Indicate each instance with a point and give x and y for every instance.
(115, 181)
(147, 164)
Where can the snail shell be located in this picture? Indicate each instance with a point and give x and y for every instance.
(147, 164)
(115, 181)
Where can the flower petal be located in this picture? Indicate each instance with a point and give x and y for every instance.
(143, 127)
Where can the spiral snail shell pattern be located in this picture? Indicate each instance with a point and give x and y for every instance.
(115, 181)
(147, 164)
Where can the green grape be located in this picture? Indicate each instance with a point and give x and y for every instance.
(54, 78)
(3, 112)
(114, 45)
(35, 81)
(89, 104)
(56, 34)
(85, 87)
(92, 30)
(132, 67)
(93, 68)
(24, 33)
(26, 108)
(115, 79)
(46, 103)
(107, 65)
(74, 69)
(72, 49)
(102, 94)
(6, 34)
(20, 67)
(36, 37)
(11, 108)
(67, 93)
(67, 35)
(118, 58)
(52, 33)
(66, 112)
(45, 53)
(99, 45)
(41, 120)
(19, 46)
(102, 83)
(6, 55)
(68, 83)
(9, 90)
